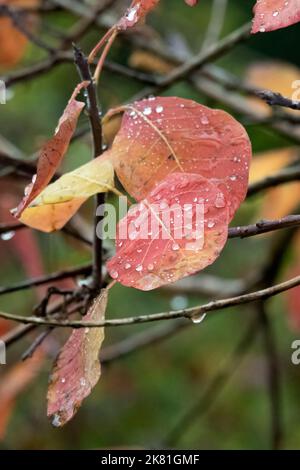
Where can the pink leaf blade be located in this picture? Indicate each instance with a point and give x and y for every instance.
(54, 150)
(136, 13)
(171, 248)
(191, 3)
(77, 368)
(270, 15)
(200, 140)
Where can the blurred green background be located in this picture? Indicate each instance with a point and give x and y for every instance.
(140, 398)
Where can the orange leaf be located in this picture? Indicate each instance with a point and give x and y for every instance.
(13, 42)
(54, 150)
(77, 368)
(276, 76)
(180, 228)
(281, 200)
(266, 163)
(160, 136)
(59, 201)
(275, 14)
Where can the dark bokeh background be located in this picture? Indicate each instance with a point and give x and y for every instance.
(139, 399)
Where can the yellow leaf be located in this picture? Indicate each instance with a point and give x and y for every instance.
(275, 76)
(58, 202)
(282, 200)
(266, 163)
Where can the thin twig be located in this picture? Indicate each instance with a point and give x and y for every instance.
(47, 279)
(189, 313)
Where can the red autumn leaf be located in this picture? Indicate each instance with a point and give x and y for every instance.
(163, 135)
(138, 11)
(180, 228)
(275, 14)
(54, 150)
(77, 368)
(191, 3)
(135, 13)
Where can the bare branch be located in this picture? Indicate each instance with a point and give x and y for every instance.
(189, 313)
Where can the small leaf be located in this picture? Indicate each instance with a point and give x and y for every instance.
(191, 3)
(77, 368)
(275, 14)
(162, 135)
(58, 202)
(136, 13)
(54, 150)
(179, 229)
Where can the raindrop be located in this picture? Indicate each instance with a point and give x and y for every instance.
(114, 274)
(56, 422)
(131, 15)
(198, 319)
(7, 235)
(147, 111)
(220, 201)
(163, 205)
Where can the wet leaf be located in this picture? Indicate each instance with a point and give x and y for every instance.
(59, 201)
(138, 10)
(136, 13)
(191, 3)
(275, 14)
(179, 229)
(54, 150)
(160, 136)
(77, 368)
